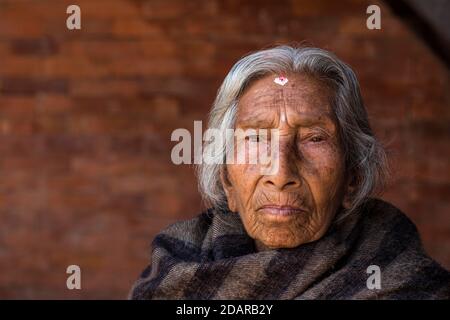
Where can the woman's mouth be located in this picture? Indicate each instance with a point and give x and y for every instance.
(282, 210)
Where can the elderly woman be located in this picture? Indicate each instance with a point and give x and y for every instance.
(309, 230)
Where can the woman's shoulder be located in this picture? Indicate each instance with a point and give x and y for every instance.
(400, 254)
(192, 230)
(381, 210)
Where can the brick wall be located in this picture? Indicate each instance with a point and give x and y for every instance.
(86, 118)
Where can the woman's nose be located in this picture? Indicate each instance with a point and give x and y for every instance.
(287, 176)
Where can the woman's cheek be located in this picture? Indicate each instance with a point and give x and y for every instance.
(322, 166)
(245, 178)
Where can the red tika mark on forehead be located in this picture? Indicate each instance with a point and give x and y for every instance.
(281, 80)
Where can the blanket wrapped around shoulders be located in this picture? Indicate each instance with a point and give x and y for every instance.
(212, 257)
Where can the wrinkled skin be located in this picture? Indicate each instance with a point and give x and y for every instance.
(310, 181)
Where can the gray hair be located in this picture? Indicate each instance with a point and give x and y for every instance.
(365, 158)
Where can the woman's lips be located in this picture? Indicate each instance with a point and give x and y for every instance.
(278, 210)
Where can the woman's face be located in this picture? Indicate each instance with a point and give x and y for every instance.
(296, 204)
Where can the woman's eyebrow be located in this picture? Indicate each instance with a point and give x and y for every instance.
(256, 123)
(259, 114)
(308, 119)
(305, 121)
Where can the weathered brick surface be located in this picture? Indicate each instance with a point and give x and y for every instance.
(86, 118)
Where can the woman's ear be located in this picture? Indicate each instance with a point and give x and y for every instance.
(228, 188)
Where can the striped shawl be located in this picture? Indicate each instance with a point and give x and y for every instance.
(212, 257)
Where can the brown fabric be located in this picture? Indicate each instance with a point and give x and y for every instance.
(212, 257)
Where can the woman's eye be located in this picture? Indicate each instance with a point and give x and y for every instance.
(253, 138)
(317, 139)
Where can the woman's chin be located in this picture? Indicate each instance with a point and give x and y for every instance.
(278, 243)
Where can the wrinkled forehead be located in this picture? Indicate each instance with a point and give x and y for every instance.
(295, 94)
